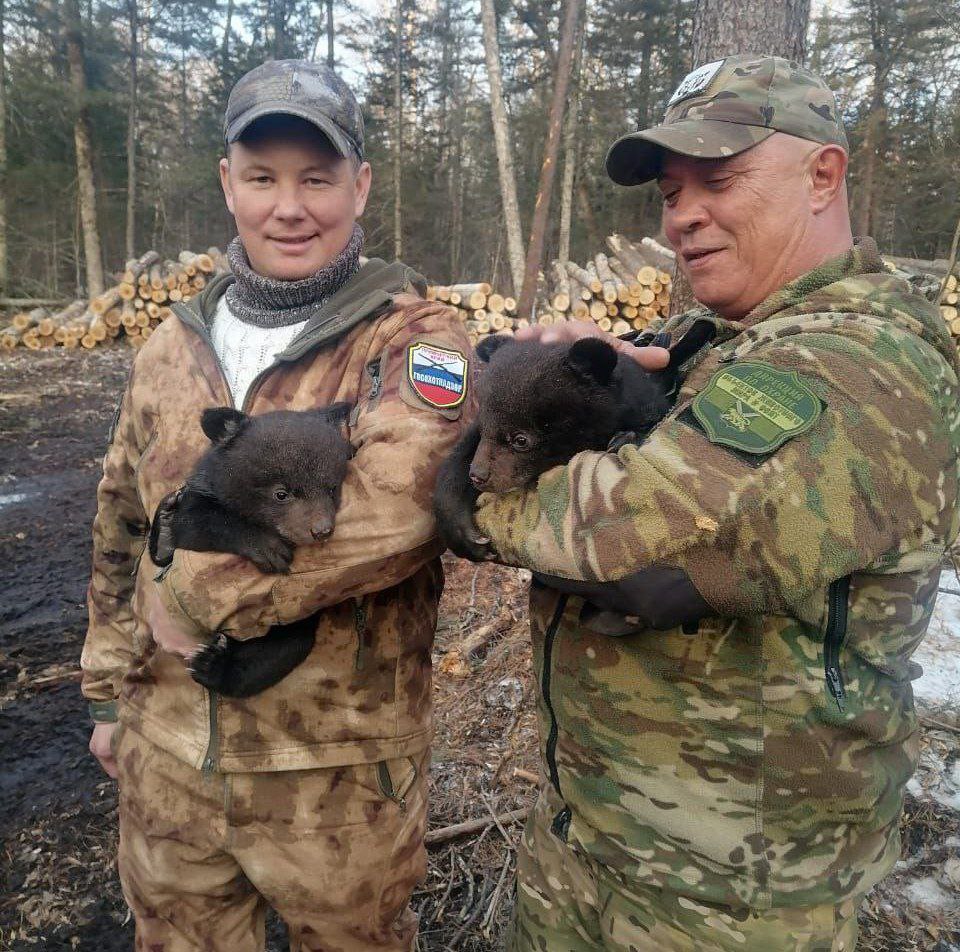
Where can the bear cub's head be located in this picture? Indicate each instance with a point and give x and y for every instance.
(541, 404)
(281, 470)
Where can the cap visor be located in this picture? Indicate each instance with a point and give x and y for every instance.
(338, 139)
(635, 158)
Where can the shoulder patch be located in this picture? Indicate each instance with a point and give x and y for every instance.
(755, 408)
(438, 376)
(696, 82)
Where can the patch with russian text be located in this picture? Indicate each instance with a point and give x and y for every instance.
(437, 376)
(755, 408)
(696, 82)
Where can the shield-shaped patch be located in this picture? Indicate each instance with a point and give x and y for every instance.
(438, 376)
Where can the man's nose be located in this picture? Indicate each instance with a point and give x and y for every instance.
(687, 214)
(289, 203)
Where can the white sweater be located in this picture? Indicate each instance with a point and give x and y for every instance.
(245, 350)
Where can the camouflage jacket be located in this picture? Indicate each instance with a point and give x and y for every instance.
(763, 759)
(363, 694)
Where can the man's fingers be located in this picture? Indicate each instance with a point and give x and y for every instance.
(650, 358)
(100, 747)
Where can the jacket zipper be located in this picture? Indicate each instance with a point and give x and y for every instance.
(838, 595)
(360, 621)
(548, 641)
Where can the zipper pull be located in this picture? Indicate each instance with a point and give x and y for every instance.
(373, 368)
(835, 684)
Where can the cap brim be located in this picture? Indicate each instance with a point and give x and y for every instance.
(338, 138)
(636, 158)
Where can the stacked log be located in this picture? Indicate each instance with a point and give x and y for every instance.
(950, 304)
(619, 291)
(130, 310)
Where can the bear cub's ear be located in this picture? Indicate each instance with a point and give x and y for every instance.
(592, 359)
(222, 424)
(336, 414)
(486, 348)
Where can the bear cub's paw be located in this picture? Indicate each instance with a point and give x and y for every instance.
(209, 663)
(162, 544)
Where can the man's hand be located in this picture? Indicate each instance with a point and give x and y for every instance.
(165, 633)
(649, 358)
(100, 747)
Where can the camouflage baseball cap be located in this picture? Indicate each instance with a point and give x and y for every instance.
(311, 91)
(726, 107)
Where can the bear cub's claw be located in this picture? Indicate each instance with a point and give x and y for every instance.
(208, 664)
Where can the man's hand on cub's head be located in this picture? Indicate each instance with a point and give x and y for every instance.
(649, 358)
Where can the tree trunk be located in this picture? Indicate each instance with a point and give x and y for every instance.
(225, 44)
(133, 91)
(330, 33)
(501, 135)
(397, 133)
(571, 149)
(727, 27)
(3, 152)
(86, 189)
(568, 33)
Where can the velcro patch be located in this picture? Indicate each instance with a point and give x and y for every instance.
(437, 376)
(755, 408)
(696, 82)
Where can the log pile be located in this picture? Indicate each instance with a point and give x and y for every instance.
(130, 310)
(619, 291)
(950, 305)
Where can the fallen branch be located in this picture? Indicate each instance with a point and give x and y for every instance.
(447, 833)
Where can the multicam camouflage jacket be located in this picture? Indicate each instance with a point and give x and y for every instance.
(363, 694)
(807, 483)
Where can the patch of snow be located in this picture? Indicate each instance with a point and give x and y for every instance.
(939, 652)
(930, 894)
(12, 498)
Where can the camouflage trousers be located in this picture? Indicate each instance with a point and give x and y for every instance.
(567, 901)
(336, 851)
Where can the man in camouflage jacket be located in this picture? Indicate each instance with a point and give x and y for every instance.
(736, 783)
(311, 794)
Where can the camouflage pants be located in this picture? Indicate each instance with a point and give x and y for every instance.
(568, 902)
(336, 851)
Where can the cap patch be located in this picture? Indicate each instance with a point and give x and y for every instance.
(755, 408)
(438, 376)
(696, 82)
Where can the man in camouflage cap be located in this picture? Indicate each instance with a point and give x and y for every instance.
(726, 764)
(309, 796)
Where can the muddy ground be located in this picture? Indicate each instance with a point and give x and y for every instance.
(58, 886)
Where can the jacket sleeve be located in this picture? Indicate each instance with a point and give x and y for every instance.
(384, 530)
(875, 476)
(119, 537)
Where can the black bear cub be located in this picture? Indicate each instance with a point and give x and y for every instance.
(266, 484)
(541, 404)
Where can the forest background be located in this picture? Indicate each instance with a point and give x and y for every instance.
(112, 122)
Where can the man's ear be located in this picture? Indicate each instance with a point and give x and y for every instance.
(222, 424)
(225, 183)
(362, 181)
(827, 170)
(593, 359)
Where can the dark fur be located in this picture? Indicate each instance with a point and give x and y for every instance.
(230, 504)
(557, 400)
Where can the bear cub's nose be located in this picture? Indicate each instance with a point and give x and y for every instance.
(321, 531)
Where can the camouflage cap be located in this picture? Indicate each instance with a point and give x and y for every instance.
(726, 107)
(311, 91)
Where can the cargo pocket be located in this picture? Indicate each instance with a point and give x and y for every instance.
(403, 781)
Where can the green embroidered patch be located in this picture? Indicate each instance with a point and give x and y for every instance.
(755, 408)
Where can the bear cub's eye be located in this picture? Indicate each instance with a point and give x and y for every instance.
(281, 495)
(520, 441)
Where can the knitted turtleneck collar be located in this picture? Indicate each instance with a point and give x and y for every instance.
(269, 302)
